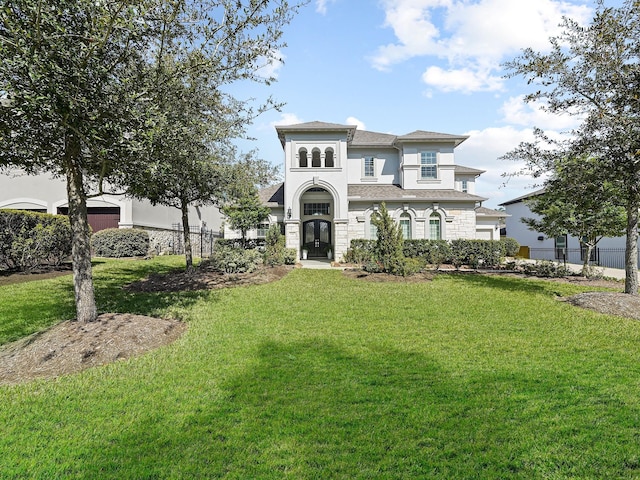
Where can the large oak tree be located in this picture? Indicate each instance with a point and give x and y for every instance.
(593, 72)
(75, 87)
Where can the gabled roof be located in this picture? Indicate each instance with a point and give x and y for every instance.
(272, 196)
(396, 192)
(468, 170)
(488, 212)
(424, 136)
(523, 197)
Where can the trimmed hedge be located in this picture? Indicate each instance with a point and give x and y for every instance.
(475, 253)
(30, 239)
(120, 242)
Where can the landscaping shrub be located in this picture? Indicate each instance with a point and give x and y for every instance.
(289, 255)
(510, 246)
(274, 252)
(388, 246)
(433, 252)
(228, 259)
(249, 244)
(120, 242)
(30, 239)
(361, 251)
(546, 268)
(476, 253)
(410, 266)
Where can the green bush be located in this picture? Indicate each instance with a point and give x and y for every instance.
(410, 266)
(433, 252)
(120, 242)
(274, 250)
(30, 239)
(289, 255)
(510, 246)
(546, 268)
(476, 253)
(227, 259)
(361, 251)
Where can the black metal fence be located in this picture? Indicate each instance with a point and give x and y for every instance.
(601, 257)
(202, 240)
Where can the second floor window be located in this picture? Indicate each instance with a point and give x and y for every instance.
(428, 165)
(465, 186)
(369, 167)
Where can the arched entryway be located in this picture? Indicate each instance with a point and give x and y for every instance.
(316, 237)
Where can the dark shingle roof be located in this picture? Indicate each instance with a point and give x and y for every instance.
(421, 136)
(523, 197)
(364, 138)
(395, 192)
(272, 196)
(468, 170)
(488, 212)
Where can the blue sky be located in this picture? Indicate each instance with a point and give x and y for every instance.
(395, 66)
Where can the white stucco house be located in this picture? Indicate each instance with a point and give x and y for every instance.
(45, 194)
(336, 176)
(609, 252)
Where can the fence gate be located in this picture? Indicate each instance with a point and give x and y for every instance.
(202, 240)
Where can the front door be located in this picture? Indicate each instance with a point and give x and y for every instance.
(317, 237)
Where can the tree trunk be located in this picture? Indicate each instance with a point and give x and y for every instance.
(586, 268)
(86, 310)
(631, 250)
(188, 254)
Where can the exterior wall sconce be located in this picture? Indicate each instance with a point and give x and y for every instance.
(289, 213)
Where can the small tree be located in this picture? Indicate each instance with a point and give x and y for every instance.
(246, 213)
(388, 248)
(573, 204)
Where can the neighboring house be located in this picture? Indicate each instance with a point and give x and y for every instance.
(536, 245)
(336, 177)
(42, 193)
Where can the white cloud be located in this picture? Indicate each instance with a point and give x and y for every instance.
(464, 80)
(515, 111)
(471, 38)
(269, 67)
(354, 121)
(321, 6)
(287, 119)
(483, 150)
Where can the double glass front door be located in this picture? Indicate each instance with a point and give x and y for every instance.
(317, 237)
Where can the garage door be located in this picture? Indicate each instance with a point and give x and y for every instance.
(484, 234)
(99, 217)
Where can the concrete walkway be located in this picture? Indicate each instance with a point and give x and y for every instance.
(317, 263)
(616, 273)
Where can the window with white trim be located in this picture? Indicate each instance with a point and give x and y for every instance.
(429, 165)
(435, 231)
(465, 186)
(302, 154)
(369, 167)
(262, 230)
(405, 226)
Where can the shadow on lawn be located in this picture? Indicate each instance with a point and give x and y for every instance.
(510, 284)
(315, 410)
(109, 283)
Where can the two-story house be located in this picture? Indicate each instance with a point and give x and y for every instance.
(336, 177)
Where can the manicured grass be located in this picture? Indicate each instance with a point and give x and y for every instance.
(321, 376)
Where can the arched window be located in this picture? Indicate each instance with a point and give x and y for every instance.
(328, 158)
(315, 158)
(302, 153)
(405, 226)
(435, 230)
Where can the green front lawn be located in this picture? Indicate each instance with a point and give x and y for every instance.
(321, 376)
